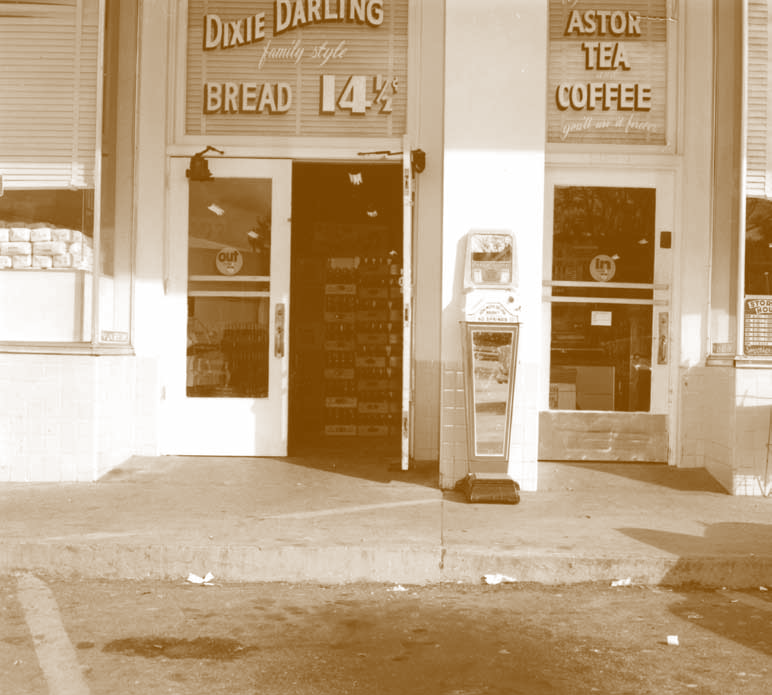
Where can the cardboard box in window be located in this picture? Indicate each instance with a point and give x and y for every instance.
(595, 388)
(562, 396)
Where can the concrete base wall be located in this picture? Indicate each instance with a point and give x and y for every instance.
(726, 425)
(752, 473)
(707, 421)
(71, 418)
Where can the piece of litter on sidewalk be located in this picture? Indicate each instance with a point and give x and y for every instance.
(622, 582)
(672, 640)
(763, 588)
(206, 581)
(694, 616)
(398, 587)
(498, 579)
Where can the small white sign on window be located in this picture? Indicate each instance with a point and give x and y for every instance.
(601, 318)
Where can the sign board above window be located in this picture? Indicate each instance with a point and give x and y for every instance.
(292, 68)
(607, 80)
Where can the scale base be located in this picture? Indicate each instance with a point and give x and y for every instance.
(490, 487)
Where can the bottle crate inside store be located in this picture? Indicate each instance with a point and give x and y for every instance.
(341, 270)
(373, 430)
(370, 314)
(366, 293)
(340, 307)
(373, 338)
(340, 331)
(340, 430)
(363, 347)
(340, 373)
(373, 407)
(377, 267)
(368, 385)
(339, 345)
(370, 361)
(345, 289)
(340, 402)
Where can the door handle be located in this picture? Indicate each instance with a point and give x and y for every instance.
(279, 329)
(663, 336)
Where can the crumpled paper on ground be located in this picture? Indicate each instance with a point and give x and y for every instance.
(498, 579)
(206, 581)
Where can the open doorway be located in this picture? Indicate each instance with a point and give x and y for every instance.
(345, 381)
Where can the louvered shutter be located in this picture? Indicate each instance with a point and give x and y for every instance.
(48, 93)
(757, 182)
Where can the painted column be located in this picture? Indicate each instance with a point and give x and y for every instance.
(495, 101)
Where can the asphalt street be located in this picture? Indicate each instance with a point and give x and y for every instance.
(82, 637)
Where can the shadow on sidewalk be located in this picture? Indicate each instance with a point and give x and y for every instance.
(728, 539)
(589, 475)
(371, 466)
(741, 616)
(738, 553)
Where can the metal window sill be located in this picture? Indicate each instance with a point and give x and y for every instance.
(94, 350)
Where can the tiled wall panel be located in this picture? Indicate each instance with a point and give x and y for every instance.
(72, 417)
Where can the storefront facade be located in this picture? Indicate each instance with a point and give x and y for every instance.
(283, 216)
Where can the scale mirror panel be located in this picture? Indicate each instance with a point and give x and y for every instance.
(492, 351)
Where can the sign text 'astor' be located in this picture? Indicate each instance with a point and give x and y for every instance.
(601, 22)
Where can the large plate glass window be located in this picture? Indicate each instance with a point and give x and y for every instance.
(602, 298)
(66, 172)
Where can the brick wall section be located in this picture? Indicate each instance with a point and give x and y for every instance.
(72, 417)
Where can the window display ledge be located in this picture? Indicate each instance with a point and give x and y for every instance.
(720, 360)
(753, 362)
(66, 349)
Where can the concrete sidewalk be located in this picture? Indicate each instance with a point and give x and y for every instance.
(339, 519)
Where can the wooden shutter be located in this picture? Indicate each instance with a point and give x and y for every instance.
(756, 106)
(49, 86)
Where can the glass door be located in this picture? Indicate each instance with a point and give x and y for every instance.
(608, 289)
(228, 282)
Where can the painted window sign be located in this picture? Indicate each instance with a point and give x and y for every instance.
(297, 67)
(758, 325)
(607, 72)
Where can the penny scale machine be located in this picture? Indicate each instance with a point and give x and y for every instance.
(489, 342)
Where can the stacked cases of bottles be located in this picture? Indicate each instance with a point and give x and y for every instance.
(379, 347)
(340, 305)
(363, 347)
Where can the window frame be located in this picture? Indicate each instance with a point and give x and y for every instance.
(99, 342)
